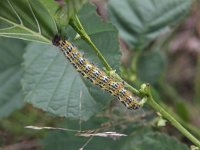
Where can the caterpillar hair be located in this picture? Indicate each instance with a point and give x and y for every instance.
(96, 75)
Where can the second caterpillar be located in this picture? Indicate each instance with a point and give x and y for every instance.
(96, 75)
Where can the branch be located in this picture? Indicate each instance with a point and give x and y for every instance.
(146, 90)
(143, 93)
(75, 23)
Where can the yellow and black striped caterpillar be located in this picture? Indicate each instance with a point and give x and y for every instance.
(96, 75)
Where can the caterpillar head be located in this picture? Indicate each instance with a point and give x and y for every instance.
(56, 40)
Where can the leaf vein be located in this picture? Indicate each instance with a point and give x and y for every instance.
(38, 25)
(27, 29)
(21, 22)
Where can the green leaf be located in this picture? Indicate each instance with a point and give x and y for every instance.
(50, 6)
(55, 86)
(26, 19)
(141, 21)
(153, 140)
(10, 75)
(150, 66)
(70, 8)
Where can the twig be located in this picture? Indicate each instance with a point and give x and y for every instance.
(144, 92)
(168, 116)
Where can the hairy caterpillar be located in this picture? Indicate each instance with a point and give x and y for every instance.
(96, 75)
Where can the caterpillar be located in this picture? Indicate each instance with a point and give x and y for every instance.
(94, 74)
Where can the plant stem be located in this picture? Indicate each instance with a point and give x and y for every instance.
(193, 129)
(171, 119)
(75, 23)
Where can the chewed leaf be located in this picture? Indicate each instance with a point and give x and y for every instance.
(26, 19)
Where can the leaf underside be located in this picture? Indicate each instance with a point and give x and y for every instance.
(11, 95)
(52, 84)
(27, 20)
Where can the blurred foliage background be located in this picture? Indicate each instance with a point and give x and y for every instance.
(159, 43)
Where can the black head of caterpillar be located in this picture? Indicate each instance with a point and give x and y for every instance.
(56, 40)
(94, 74)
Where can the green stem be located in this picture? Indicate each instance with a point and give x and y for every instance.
(188, 126)
(171, 119)
(194, 130)
(75, 23)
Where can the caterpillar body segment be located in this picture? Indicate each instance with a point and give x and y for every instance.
(96, 75)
